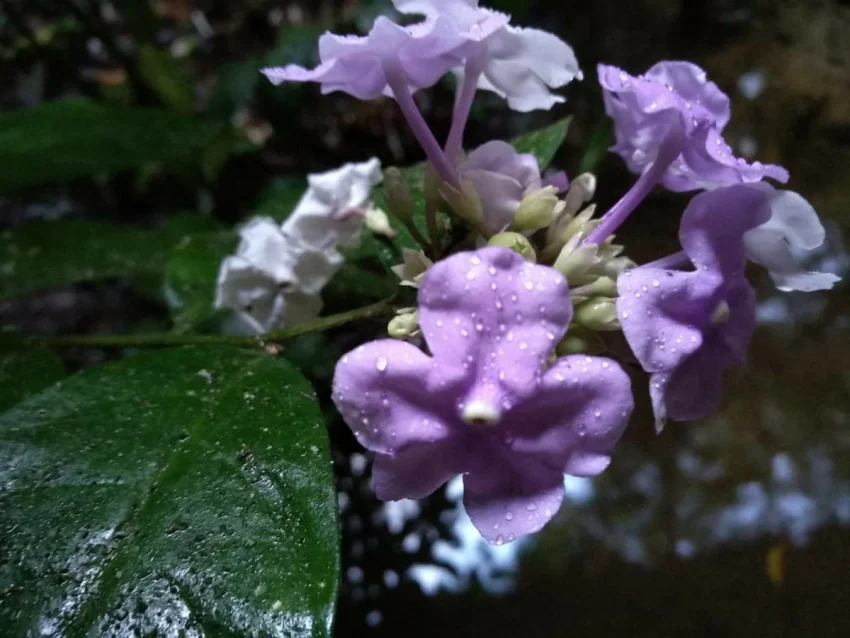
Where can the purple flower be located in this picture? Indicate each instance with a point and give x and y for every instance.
(421, 53)
(485, 404)
(678, 95)
(520, 65)
(686, 327)
(502, 178)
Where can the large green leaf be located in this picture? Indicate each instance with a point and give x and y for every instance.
(181, 492)
(543, 143)
(25, 372)
(74, 138)
(43, 254)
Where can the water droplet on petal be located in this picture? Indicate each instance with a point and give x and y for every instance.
(381, 364)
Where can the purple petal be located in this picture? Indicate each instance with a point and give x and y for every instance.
(691, 82)
(575, 419)
(507, 502)
(495, 314)
(663, 313)
(636, 104)
(393, 396)
(738, 330)
(419, 470)
(713, 227)
(693, 391)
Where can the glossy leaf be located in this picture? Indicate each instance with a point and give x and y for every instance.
(43, 254)
(25, 372)
(71, 138)
(543, 143)
(179, 492)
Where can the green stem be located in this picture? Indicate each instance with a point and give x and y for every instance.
(383, 307)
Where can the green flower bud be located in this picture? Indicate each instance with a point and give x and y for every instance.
(599, 314)
(580, 340)
(575, 261)
(464, 203)
(538, 209)
(405, 325)
(397, 193)
(413, 268)
(516, 242)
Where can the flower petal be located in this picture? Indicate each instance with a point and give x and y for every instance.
(494, 313)
(636, 104)
(694, 390)
(419, 470)
(663, 313)
(394, 396)
(783, 243)
(507, 502)
(714, 224)
(576, 417)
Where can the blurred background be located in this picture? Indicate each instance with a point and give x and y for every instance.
(737, 526)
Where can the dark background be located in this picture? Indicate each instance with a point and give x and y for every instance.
(731, 527)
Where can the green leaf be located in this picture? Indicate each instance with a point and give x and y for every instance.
(280, 197)
(43, 254)
(190, 277)
(163, 73)
(25, 372)
(543, 143)
(179, 492)
(75, 138)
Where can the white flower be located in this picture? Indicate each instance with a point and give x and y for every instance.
(784, 242)
(278, 272)
(520, 65)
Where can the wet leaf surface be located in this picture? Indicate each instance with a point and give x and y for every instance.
(177, 492)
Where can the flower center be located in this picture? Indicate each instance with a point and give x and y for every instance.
(720, 314)
(481, 413)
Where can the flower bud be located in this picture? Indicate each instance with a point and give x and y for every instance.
(581, 191)
(538, 209)
(465, 203)
(397, 193)
(378, 223)
(405, 325)
(413, 268)
(598, 314)
(580, 340)
(575, 261)
(516, 242)
(601, 287)
(613, 268)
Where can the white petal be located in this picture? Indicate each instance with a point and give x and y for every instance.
(267, 249)
(785, 242)
(525, 64)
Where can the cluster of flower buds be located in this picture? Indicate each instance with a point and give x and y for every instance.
(510, 390)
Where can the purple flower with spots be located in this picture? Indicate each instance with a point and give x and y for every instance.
(485, 403)
(686, 327)
(672, 99)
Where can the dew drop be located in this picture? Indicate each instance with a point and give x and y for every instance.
(381, 364)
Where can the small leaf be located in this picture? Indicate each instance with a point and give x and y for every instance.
(543, 143)
(44, 254)
(191, 274)
(74, 138)
(26, 372)
(182, 491)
